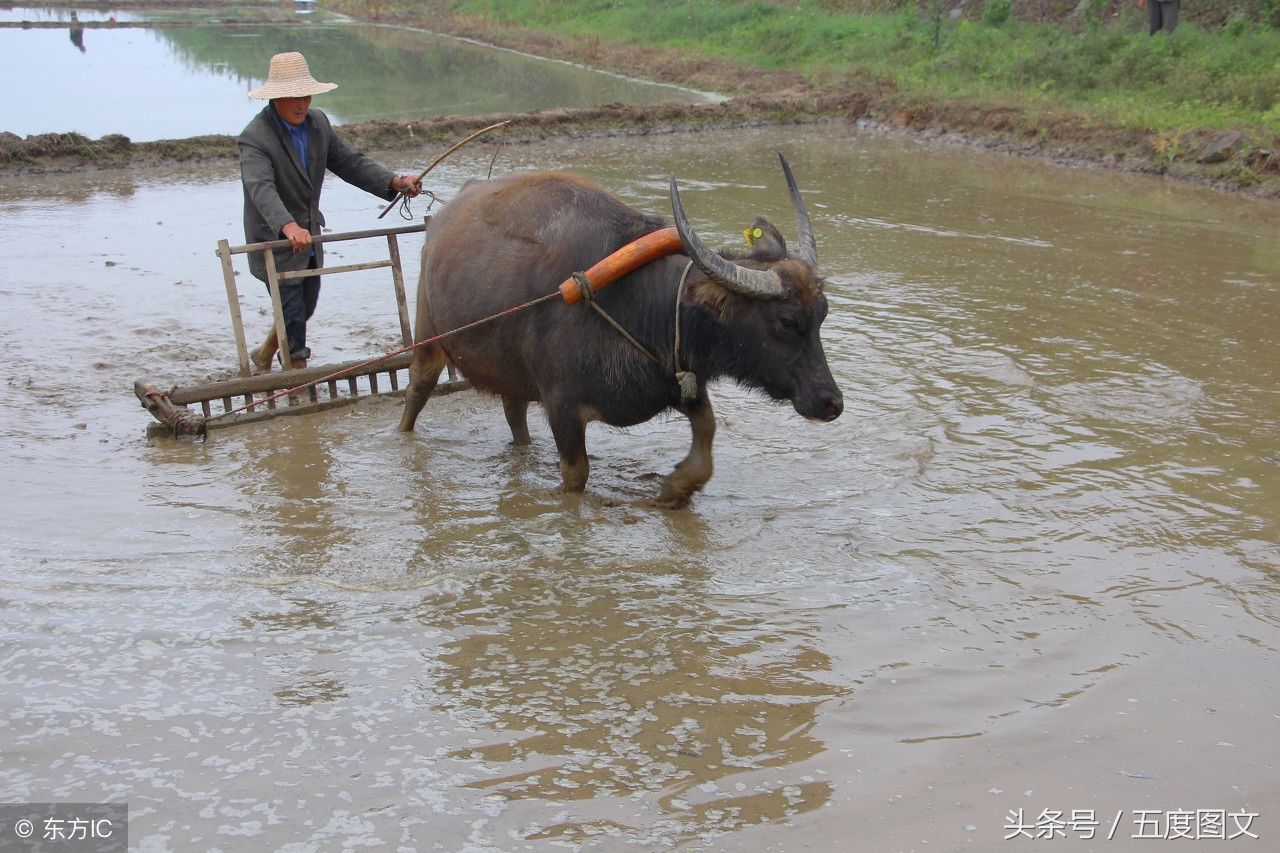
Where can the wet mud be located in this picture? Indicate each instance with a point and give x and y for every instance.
(1067, 144)
(1033, 567)
(57, 152)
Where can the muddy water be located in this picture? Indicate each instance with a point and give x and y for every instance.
(1034, 566)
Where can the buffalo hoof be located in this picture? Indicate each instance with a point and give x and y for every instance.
(573, 475)
(676, 495)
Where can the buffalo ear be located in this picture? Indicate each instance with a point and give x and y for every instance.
(705, 292)
(767, 243)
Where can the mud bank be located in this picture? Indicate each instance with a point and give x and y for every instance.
(756, 97)
(62, 152)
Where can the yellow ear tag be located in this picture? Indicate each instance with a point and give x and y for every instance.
(752, 235)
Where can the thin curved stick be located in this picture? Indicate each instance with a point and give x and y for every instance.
(481, 132)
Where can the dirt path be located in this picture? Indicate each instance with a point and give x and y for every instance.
(755, 97)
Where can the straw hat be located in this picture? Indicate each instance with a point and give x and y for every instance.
(289, 77)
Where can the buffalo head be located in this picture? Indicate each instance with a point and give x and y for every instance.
(770, 305)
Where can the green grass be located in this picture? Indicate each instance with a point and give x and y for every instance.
(1195, 79)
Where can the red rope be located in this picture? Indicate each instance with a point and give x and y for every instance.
(357, 368)
(637, 253)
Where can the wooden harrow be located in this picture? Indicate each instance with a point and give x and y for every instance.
(247, 398)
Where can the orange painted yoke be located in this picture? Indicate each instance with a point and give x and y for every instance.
(637, 253)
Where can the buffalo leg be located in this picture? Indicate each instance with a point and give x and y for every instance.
(570, 432)
(517, 412)
(694, 470)
(424, 373)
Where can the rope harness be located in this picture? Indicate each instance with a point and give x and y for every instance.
(685, 379)
(355, 369)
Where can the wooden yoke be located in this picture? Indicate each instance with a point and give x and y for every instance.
(637, 253)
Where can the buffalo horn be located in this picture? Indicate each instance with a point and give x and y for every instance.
(808, 251)
(757, 284)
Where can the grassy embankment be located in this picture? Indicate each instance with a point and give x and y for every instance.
(1024, 75)
(1093, 82)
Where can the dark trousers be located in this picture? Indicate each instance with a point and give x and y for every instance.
(1164, 15)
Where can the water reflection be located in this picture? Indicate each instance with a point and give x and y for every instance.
(181, 81)
(611, 687)
(311, 685)
(77, 32)
(24, 14)
(291, 491)
(393, 73)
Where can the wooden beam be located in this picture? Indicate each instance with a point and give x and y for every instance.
(177, 420)
(307, 273)
(397, 278)
(330, 238)
(233, 302)
(273, 283)
(278, 381)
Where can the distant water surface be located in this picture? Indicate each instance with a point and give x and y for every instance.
(179, 81)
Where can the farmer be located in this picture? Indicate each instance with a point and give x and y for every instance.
(284, 153)
(1163, 14)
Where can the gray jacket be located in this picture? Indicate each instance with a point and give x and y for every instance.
(279, 190)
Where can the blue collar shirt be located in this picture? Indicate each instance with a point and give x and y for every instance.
(299, 136)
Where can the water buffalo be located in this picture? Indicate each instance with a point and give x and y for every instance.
(754, 317)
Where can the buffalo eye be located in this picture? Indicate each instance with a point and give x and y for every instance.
(790, 324)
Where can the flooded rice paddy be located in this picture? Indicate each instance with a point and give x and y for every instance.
(1034, 566)
(176, 81)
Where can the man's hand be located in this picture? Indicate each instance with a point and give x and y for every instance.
(299, 238)
(407, 184)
